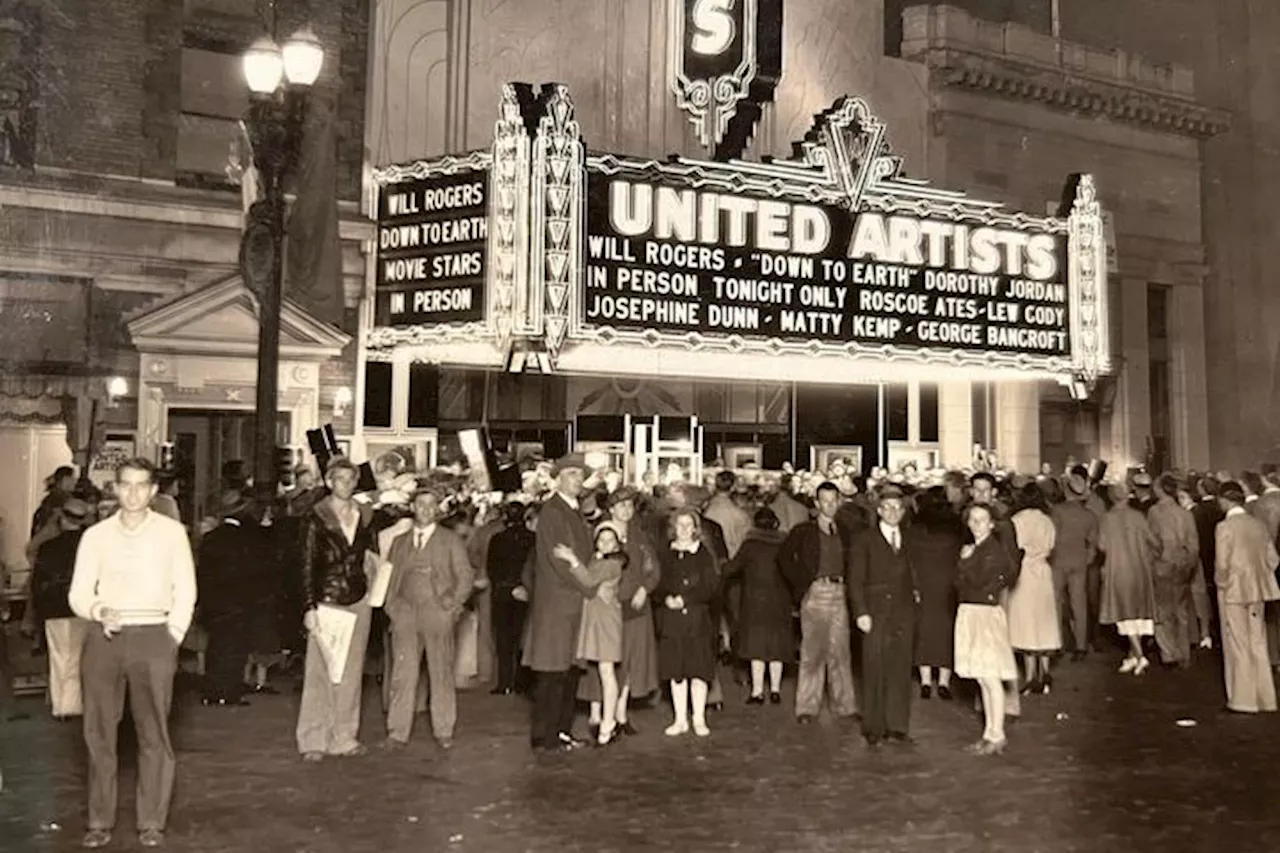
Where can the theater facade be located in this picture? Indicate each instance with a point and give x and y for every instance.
(554, 275)
(828, 270)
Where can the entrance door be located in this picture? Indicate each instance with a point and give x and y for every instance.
(204, 441)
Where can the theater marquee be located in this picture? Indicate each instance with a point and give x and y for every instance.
(822, 266)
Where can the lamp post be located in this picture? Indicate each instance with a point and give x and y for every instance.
(280, 82)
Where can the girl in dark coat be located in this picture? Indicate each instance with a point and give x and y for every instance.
(764, 621)
(686, 652)
(935, 551)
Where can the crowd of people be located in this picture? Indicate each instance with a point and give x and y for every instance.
(586, 590)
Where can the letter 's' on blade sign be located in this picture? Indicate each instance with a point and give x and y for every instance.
(726, 59)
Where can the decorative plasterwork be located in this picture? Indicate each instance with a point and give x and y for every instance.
(555, 241)
(1061, 89)
(221, 319)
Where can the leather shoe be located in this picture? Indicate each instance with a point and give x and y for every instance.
(95, 838)
(151, 837)
(627, 729)
(944, 693)
(500, 691)
(901, 738)
(805, 719)
(755, 700)
(926, 691)
(571, 741)
(715, 706)
(873, 742)
(775, 698)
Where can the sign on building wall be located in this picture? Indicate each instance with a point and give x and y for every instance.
(666, 257)
(725, 58)
(818, 266)
(432, 236)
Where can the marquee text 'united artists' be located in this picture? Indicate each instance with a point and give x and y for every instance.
(684, 259)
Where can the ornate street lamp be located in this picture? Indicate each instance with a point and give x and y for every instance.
(280, 84)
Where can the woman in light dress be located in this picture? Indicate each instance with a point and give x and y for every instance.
(1033, 611)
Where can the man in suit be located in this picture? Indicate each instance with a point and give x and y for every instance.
(430, 581)
(556, 608)
(1245, 576)
(1173, 571)
(1075, 549)
(1207, 513)
(883, 593)
(237, 572)
(814, 561)
(1267, 510)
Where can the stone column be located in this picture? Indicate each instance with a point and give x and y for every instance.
(1018, 425)
(1188, 392)
(1130, 421)
(955, 423)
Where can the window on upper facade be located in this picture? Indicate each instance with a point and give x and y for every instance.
(214, 98)
(44, 319)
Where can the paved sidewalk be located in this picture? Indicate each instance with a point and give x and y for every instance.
(1098, 766)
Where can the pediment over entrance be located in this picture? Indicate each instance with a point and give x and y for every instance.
(222, 319)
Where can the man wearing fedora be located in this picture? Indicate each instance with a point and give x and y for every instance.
(562, 542)
(238, 573)
(1075, 548)
(64, 632)
(883, 594)
(1173, 571)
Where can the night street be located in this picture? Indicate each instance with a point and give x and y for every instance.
(1115, 772)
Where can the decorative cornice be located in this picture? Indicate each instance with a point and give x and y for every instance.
(1067, 91)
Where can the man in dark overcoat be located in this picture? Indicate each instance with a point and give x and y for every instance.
(883, 595)
(556, 608)
(238, 574)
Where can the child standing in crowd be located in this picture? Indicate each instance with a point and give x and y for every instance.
(686, 654)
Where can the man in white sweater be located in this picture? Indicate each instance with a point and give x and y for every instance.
(135, 579)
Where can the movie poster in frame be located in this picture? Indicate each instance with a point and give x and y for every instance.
(739, 456)
(823, 456)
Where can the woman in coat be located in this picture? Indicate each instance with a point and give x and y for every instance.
(764, 619)
(1034, 621)
(982, 648)
(934, 546)
(686, 635)
(1128, 592)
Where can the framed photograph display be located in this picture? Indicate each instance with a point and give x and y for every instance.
(739, 456)
(823, 456)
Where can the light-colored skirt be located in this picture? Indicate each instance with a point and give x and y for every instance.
(1033, 610)
(982, 646)
(600, 631)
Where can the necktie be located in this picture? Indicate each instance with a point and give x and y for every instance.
(893, 538)
(419, 539)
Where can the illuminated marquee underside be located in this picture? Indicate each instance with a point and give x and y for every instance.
(538, 269)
